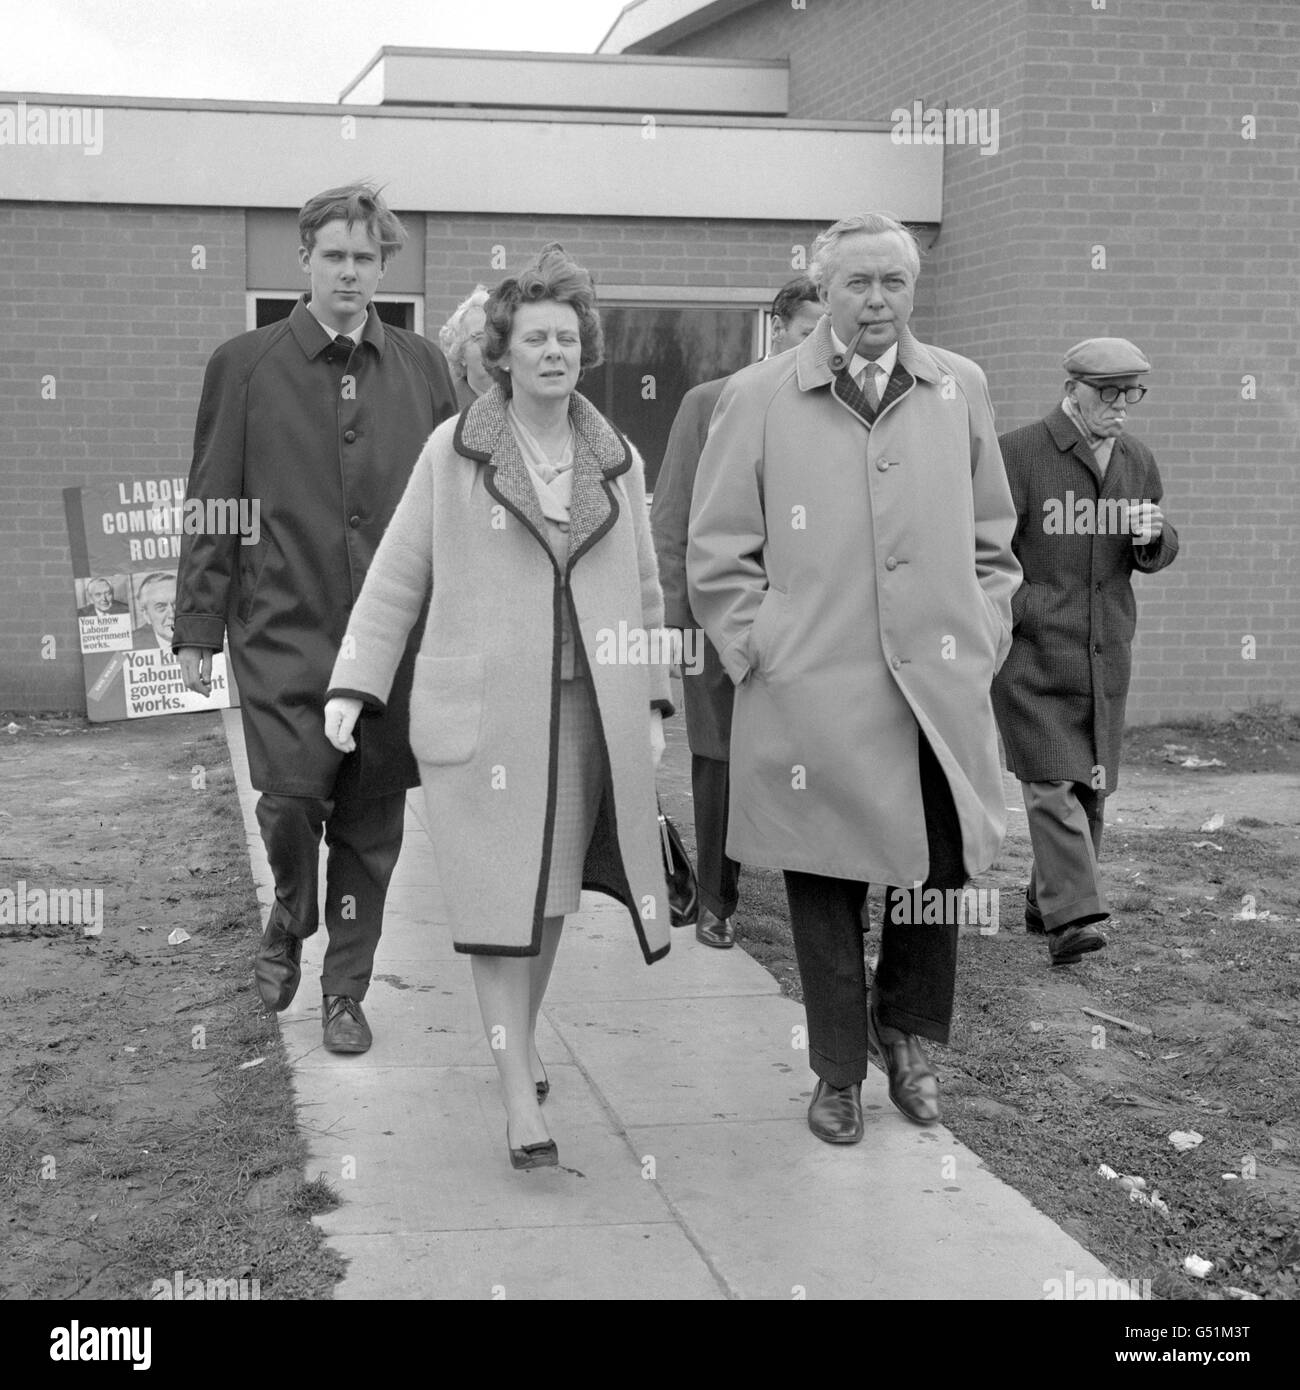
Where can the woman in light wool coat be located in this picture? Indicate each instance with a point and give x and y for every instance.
(525, 519)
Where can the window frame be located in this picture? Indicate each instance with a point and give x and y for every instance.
(292, 296)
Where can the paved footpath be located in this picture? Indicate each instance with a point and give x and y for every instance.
(678, 1101)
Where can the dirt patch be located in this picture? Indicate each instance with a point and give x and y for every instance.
(1204, 952)
(148, 1123)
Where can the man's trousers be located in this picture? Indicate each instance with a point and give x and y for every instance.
(364, 838)
(916, 974)
(1065, 826)
(719, 877)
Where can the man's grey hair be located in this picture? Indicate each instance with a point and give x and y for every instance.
(873, 223)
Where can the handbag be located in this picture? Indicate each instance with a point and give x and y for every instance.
(683, 887)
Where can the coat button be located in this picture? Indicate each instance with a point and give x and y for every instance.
(1099, 588)
(895, 662)
(891, 563)
(349, 436)
(1096, 647)
(883, 465)
(354, 521)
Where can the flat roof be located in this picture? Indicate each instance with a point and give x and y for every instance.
(571, 81)
(204, 153)
(657, 23)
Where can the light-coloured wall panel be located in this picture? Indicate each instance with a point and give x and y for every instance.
(221, 154)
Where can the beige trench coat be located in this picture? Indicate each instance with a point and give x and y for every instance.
(857, 585)
(485, 698)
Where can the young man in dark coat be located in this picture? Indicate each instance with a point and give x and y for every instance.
(1087, 500)
(318, 419)
(707, 689)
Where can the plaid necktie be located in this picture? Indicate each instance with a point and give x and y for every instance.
(867, 385)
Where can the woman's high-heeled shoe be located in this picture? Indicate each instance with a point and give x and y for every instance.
(545, 1155)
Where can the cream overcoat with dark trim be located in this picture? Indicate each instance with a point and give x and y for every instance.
(857, 585)
(485, 699)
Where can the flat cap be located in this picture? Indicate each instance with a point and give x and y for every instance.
(1105, 357)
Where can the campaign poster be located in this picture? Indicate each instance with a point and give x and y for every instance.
(125, 542)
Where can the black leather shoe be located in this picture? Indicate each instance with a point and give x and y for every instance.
(835, 1114)
(545, 1155)
(715, 931)
(913, 1086)
(1069, 943)
(346, 1029)
(278, 966)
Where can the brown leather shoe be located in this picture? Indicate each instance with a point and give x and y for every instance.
(913, 1086)
(346, 1029)
(278, 966)
(715, 931)
(835, 1114)
(1070, 943)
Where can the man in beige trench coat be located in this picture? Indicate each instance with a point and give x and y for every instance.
(850, 558)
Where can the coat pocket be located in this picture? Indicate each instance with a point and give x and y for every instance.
(760, 630)
(446, 708)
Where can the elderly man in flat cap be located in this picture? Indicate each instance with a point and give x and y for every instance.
(1087, 499)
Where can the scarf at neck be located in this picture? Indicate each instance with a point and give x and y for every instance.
(552, 481)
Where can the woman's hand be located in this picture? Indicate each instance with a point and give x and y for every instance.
(341, 715)
(656, 736)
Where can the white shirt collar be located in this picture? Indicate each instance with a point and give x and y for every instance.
(885, 361)
(356, 333)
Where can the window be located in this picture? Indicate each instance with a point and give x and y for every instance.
(400, 310)
(654, 354)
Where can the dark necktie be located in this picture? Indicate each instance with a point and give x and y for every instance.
(853, 396)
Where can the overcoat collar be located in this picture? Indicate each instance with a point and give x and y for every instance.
(313, 337)
(813, 357)
(1065, 435)
(600, 453)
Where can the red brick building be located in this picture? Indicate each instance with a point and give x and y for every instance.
(1111, 167)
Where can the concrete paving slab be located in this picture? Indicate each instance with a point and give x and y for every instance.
(600, 959)
(561, 1262)
(665, 1061)
(908, 1213)
(428, 1153)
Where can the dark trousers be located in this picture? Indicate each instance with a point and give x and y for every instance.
(916, 974)
(364, 838)
(719, 877)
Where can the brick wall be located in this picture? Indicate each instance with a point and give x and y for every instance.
(104, 300)
(1121, 129)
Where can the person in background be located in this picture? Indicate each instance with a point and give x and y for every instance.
(461, 339)
(708, 693)
(320, 419)
(1087, 497)
(526, 519)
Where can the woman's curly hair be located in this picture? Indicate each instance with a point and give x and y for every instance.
(551, 276)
